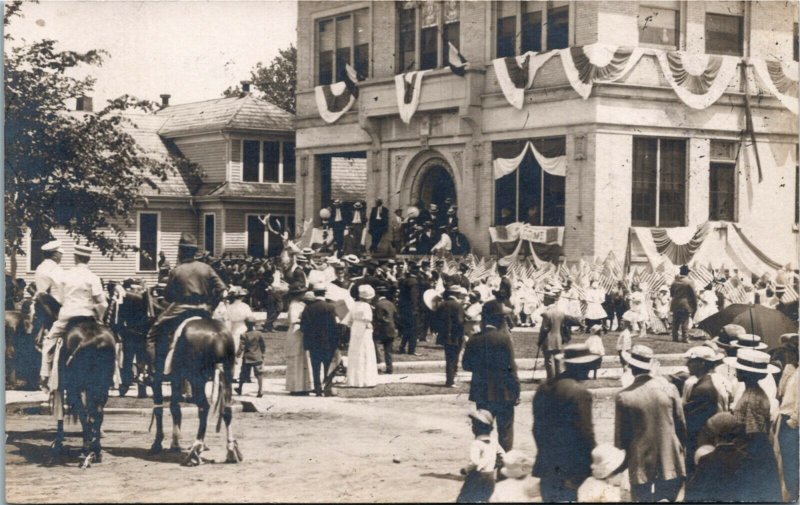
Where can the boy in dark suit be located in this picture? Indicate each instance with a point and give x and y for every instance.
(251, 349)
(384, 324)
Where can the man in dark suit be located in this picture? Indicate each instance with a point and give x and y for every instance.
(378, 223)
(650, 427)
(562, 428)
(551, 333)
(489, 355)
(339, 220)
(683, 305)
(318, 324)
(503, 293)
(384, 324)
(448, 324)
(409, 303)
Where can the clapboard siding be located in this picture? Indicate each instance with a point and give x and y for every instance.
(209, 154)
(235, 231)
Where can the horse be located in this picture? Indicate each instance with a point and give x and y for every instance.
(130, 318)
(21, 362)
(204, 350)
(85, 373)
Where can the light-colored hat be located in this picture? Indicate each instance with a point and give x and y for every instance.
(324, 213)
(413, 212)
(703, 352)
(301, 258)
(578, 354)
(358, 205)
(82, 250)
(53, 245)
(749, 341)
(365, 292)
(752, 361)
(320, 287)
(630, 316)
(308, 296)
(606, 459)
(351, 259)
(639, 356)
(483, 416)
(516, 464)
(308, 251)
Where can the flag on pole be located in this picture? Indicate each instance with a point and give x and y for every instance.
(351, 78)
(456, 60)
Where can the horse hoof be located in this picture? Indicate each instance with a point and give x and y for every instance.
(234, 454)
(156, 448)
(193, 459)
(87, 461)
(175, 448)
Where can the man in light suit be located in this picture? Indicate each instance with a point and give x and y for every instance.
(378, 223)
(551, 333)
(651, 428)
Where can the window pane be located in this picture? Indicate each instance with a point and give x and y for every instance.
(326, 48)
(554, 198)
(208, 235)
(558, 28)
(289, 171)
(361, 18)
(342, 59)
(797, 193)
(148, 241)
(255, 237)
(429, 41)
(430, 12)
(250, 161)
(724, 34)
(531, 31)
(452, 35)
(361, 63)
(722, 192)
(530, 189)
(506, 28)
(672, 195)
(271, 159)
(344, 41)
(643, 196)
(451, 11)
(406, 39)
(796, 44)
(658, 26)
(505, 188)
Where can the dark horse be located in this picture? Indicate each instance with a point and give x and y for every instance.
(85, 373)
(131, 320)
(203, 351)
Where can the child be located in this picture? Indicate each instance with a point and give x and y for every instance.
(596, 347)
(252, 347)
(519, 485)
(608, 476)
(480, 473)
(624, 339)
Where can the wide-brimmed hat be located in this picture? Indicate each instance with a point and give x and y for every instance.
(337, 203)
(412, 212)
(606, 459)
(516, 464)
(351, 259)
(789, 339)
(307, 251)
(301, 258)
(319, 287)
(82, 250)
(53, 245)
(578, 354)
(728, 334)
(639, 356)
(308, 296)
(433, 208)
(703, 352)
(188, 240)
(365, 292)
(749, 341)
(483, 416)
(750, 360)
(237, 292)
(250, 319)
(494, 309)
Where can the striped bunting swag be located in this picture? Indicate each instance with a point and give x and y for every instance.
(456, 61)
(333, 100)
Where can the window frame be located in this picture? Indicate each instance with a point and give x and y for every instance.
(247, 217)
(333, 17)
(441, 47)
(680, 21)
(261, 167)
(544, 22)
(657, 195)
(139, 240)
(731, 163)
(742, 35)
(29, 245)
(213, 216)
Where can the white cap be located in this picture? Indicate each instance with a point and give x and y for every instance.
(53, 245)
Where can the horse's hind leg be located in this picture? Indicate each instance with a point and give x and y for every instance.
(175, 410)
(158, 413)
(200, 399)
(57, 447)
(234, 455)
(87, 423)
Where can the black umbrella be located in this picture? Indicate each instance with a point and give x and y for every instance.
(769, 324)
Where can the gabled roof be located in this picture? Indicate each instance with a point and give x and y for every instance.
(246, 113)
(247, 190)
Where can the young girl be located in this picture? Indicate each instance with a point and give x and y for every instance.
(480, 472)
(596, 347)
(624, 344)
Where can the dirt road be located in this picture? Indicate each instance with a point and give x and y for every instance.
(295, 449)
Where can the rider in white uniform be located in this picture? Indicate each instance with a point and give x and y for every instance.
(48, 279)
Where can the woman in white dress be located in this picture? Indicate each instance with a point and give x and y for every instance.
(639, 307)
(298, 364)
(595, 296)
(706, 304)
(362, 364)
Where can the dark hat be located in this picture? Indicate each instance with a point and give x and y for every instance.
(728, 335)
(358, 205)
(684, 270)
(493, 309)
(462, 267)
(250, 319)
(188, 240)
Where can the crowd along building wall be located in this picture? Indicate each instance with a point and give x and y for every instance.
(460, 120)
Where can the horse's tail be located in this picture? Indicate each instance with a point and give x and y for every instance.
(219, 393)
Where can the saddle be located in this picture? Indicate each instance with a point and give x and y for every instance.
(176, 336)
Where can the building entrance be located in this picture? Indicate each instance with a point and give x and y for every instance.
(436, 186)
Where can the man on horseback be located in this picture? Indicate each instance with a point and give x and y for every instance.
(48, 279)
(193, 288)
(83, 296)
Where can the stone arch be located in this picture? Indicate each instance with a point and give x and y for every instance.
(417, 173)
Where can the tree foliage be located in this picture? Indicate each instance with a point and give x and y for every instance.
(276, 82)
(77, 171)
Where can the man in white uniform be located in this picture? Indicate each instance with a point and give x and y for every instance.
(48, 278)
(83, 296)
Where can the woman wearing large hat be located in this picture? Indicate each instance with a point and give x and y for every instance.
(362, 363)
(298, 364)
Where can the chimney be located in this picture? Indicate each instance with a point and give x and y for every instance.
(245, 87)
(165, 100)
(84, 104)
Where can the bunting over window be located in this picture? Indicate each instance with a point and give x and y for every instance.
(780, 79)
(516, 73)
(553, 166)
(333, 100)
(698, 79)
(585, 65)
(408, 87)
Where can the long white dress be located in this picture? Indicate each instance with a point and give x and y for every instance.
(594, 300)
(298, 363)
(706, 306)
(362, 364)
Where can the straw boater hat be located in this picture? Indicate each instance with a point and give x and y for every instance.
(337, 203)
(53, 245)
(482, 416)
(82, 250)
(703, 352)
(351, 259)
(320, 288)
(639, 356)
(752, 361)
(365, 292)
(301, 258)
(728, 335)
(578, 354)
(606, 459)
(749, 341)
(516, 464)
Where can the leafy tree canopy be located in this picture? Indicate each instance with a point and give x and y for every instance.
(275, 83)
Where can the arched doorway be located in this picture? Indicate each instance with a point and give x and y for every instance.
(436, 186)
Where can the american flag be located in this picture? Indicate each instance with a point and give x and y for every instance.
(611, 266)
(790, 296)
(734, 291)
(700, 275)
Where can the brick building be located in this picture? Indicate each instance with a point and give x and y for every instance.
(636, 155)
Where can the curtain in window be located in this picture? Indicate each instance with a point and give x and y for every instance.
(556, 165)
(698, 79)
(516, 73)
(585, 65)
(780, 79)
(408, 87)
(333, 100)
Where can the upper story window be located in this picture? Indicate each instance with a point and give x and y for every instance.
(659, 24)
(268, 161)
(534, 25)
(722, 181)
(341, 40)
(424, 30)
(725, 28)
(659, 182)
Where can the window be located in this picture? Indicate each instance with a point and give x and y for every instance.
(268, 161)
(261, 240)
(341, 40)
(209, 232)
(659, 26)
(722, 182)
(38, 239)
(148, 241)
(724, 34)
(659, 182)
(529, 194)
(255, 236)
(520, 26)
(424, 30)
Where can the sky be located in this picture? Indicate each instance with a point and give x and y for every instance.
(192, 50)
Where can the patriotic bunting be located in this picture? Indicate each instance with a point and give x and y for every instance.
(556, 165)
(516, 73)
(408, 87)
(585, 65)
(455, 60)
(780, 79)
(679, 254)
(333, 100)
(698, 79)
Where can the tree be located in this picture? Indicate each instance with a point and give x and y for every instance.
(277, 82)
(80, 172)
